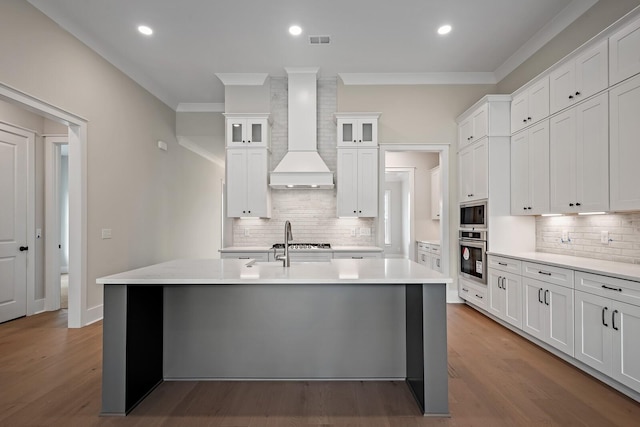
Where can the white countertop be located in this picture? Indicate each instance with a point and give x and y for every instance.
(429, 242)
(245, 249)
(620, 270)
(233, 271)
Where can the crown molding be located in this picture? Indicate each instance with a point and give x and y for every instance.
(566, 17)
(418, 78)
(242, 79)
(200, 107)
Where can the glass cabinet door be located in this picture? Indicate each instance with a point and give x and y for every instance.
(256, 133)
(236, 133)
(347, 133)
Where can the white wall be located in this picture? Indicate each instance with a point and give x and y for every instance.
(160, 205)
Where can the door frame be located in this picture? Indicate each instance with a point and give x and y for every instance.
(443, 151)
(52, 144)
(79, 314)
(33, 306)
(411, 173)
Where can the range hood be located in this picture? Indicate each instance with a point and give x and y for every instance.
(302, 166)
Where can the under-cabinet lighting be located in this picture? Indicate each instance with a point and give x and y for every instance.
(591, 213)
(551, 215)
(147, 31)
(289, 186)
(314, 186)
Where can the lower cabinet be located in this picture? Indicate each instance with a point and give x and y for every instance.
(357, 255)
(505, 296)
(258, 256)
(548, 313)
(472, 292)
(607, 334)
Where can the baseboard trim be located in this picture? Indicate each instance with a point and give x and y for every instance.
(93, 314)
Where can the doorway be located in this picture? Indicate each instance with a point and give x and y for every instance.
(57, 221)
(398, 211)
(422, 227)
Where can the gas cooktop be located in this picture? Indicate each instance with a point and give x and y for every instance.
(303, 246)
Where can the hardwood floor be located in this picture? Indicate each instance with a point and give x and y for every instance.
(51, 376)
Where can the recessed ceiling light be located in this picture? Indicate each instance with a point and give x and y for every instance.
(145, 30)
(295, 30)
(445, 29)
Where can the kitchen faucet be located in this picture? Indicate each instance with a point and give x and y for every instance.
(286, 260)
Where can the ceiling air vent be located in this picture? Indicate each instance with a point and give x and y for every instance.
(318, 40)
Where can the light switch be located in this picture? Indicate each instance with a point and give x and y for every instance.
(604, 237)
(565, 236)
(365, 231)
(106, 233)
(247, 232)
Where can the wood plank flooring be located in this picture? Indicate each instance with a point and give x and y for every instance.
(51, 376)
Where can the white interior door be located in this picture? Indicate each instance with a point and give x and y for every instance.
(13, 225)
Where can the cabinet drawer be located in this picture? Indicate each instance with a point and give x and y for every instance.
(434, 249)
(616, 289)
(475, 294)
(505, 264)
(258, 256)
(549, 274)
(357, 255)
(423, 246)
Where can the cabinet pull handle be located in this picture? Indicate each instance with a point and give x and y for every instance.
(529, 208)
(244, 257)
(604, 309)
(546, 273)
(525, 208)
(613, 320)
(499, 283)
(570, 204)
(577, 93)
(612, 289)
(529, 118)
(570, 96)
(546, 292)
(479, 296)
(469, 195)
(504, 283)
(502, 263)
(540, 295)
(578, 204)
(357, 257)
(465, 290)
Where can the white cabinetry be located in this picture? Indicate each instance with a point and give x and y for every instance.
(435, 257)
(530, 171)
(248, 193)
(474, 127)
(579, 150)
(624, 128)
(531, 105)
(436, 204)
(580, 77)
(624, 46)
(357, 255)
(474, 174)
(357, 182)
(359, 129)
(423, 254)
(505, 290)
(548, 305)
(247, 130)
(472, 292)
(607, 328)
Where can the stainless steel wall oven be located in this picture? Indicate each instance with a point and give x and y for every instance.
(473, 255)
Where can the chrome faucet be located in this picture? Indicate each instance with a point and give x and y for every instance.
(286, 260)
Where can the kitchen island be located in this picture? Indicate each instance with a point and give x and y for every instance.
(370, 319)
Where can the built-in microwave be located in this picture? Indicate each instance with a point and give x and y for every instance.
(473, 215)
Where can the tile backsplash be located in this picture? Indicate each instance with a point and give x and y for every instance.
(584, 236)
(313, 220)
(312, 212)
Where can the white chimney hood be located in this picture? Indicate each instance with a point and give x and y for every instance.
(302, 166)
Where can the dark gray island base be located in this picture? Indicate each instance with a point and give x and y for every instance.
(286, 324)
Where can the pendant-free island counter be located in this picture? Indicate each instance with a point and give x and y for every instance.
(370, 319)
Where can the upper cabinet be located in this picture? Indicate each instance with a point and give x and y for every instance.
(624, 60)
(624, 129)
(357, 174)
(359, 129)
(531, 105)
(474, 127)
(579, 153)
(244, 130)
(247, 166)
(473, 162)
(579, 78)
(530, 170)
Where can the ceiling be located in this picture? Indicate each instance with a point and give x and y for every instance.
(371, 40)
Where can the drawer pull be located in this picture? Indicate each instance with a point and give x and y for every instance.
(613, 320)
(357, 257)
(244, 257)
(546, 273)
(604, 310)
(502, 263)
(465, 290)
(479, 296)
(612, 289)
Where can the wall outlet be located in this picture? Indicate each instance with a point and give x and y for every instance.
(565, 236)
(106, 233)
(604, 237)
(365, 231)
(353, 232)
(247, 232)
